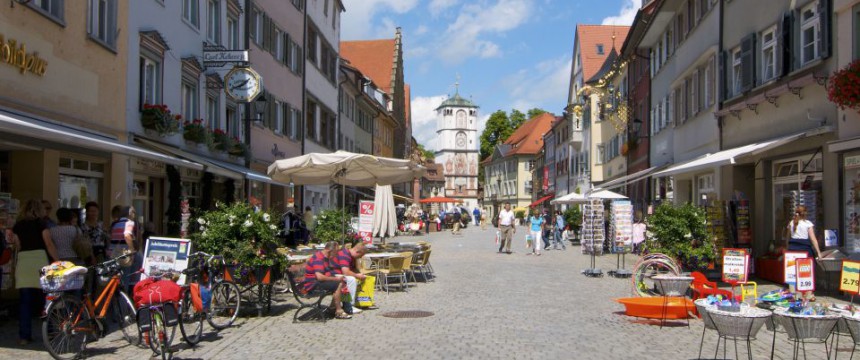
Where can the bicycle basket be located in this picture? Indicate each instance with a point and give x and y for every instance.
(67, 282)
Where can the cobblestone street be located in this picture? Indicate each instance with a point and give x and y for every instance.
(486, 305)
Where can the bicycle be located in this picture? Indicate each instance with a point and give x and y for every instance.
(225, 300)
(70, 322)
(155, 317)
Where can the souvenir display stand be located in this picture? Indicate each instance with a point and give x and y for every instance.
(593, 233)
(621, 235)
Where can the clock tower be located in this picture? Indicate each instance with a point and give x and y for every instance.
(457, 142)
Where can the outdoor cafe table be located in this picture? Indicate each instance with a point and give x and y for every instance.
(740, 325)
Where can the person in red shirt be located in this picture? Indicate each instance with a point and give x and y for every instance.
(344, 264)
(320, 277)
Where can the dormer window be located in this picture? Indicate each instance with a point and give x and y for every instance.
(599, 49)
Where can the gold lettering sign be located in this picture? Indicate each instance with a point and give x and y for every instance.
(15, 54)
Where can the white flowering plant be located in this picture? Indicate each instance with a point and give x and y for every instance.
(243, 236)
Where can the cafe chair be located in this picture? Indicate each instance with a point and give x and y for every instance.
(395, 270)
(420, 263)
(407, 267)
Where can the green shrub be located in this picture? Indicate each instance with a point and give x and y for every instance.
(520, 214)
(680, 232)
(333, 225)
(573, 217)
(245, 237)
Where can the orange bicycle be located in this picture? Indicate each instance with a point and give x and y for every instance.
(69, 323)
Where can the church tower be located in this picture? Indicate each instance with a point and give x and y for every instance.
(457, 140)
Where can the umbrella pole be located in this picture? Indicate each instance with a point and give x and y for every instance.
(343, 211)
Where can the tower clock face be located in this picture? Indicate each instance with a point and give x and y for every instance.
(461, 140)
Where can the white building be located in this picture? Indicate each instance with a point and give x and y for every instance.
(457, 139)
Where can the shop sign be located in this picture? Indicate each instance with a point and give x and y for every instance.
(220, 57)
(789, 263)
(15, 54)
(191, 173)
(734, 265)
(805, 274)
(365, 221)
(852, 162)
(849, 280)
(147, 165)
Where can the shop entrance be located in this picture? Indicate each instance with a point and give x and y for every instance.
(147, 201)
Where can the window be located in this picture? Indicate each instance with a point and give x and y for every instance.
(150, 81)
(232, 118)
(709, 83)
(736, 72)
(310, 122)
(312, 46)
(189, 100)
(190, 12)
(279, 117)
(701, 100)
(599, 49)
(213, 21)
(325, 8)
(280, 37)
(810, 30)
(299, 4)
(102, 21)
(213, 112)
(768, 54)
(257, 26)
(693, 88)
(600, 154)
(232, 33)
(51, 8)
(295, 57)
(856, 34)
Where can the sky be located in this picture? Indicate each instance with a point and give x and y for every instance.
(508, 54)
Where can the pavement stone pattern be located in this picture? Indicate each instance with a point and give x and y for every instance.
(487, 306)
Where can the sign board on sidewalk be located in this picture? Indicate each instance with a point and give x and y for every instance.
(365, 221)
(734, 265)
(805, 274)
(788, 263)
(849, 281)
(166, 254)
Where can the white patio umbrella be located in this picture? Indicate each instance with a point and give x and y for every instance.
(606, 195)
(384, 213)
(572, 198)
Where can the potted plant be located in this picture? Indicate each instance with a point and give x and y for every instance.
(237, 148)
(333, 225)
(245, 237)
(221, 141)
(195, 131)
(573, 218)
(680, 232)
(159, 119)
(844, 87)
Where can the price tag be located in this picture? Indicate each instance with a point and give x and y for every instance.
(789, 264)
(850, 279)
(805, 274)
(734, 265)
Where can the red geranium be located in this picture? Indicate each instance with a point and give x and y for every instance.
(844, 87)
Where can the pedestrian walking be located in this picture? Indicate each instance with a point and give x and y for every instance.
(537, 224)
(506, 227)
(557, 237)
(476, 215)
(639, 231)
(457, 218)
(547, 228)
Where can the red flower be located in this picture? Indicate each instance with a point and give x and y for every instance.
(178, 117)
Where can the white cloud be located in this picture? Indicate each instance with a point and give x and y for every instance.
(544, 85)
(421, 30)
(463, 38)
(357, 22)
(626, 15)
(437, 6)
(416, 52)
(424, 119)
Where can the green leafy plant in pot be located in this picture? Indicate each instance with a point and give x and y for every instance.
(680, 232)
(333, 225)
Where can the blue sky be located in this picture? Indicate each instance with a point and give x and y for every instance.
(508, 53)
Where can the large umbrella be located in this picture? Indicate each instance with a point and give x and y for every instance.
(438, 199)
(345, 168)
(572, 198)
(606, 195)
(384, 213)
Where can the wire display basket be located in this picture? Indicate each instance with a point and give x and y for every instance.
(63, 283)
(814, 327)
(745, 323)
(702, 307)
(852, 326)
(672, 285)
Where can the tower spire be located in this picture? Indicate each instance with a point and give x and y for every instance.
(457, 85)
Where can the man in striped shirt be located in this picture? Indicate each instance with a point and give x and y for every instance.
(344, 264)
(319, 277)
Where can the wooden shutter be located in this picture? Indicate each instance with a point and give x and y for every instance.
(748, 62)
(287, 48)
(722, 74)
(300, 62)
(825, 36)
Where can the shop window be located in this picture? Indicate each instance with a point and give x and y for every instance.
(75, 191)
(191, 192)
(851, 191)
(797, 181)
(102, 18)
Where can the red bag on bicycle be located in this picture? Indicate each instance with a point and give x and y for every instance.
(148, 292)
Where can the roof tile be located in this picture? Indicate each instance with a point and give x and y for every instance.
(374, 58)
(528, 138)
(589, 37)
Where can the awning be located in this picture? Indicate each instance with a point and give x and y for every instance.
(631, 178)
(541, 200)
(216, 167)
(730, 156)
(31, 127)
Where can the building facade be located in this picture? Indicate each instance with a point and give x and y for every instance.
(457, 139)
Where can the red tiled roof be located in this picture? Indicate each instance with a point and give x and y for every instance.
(589, 36)
(375, 59)
(434, 172)
(528, 139)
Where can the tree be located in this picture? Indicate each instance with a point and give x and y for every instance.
(498, 129)
(517, 119)
(427, 155)
(535, 112)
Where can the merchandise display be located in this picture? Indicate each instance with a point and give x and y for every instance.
(593, 231)
(621, 226)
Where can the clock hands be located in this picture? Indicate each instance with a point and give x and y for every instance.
(240, 85)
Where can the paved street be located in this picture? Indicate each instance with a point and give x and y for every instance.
(486, 305)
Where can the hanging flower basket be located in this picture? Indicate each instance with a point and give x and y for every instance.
(158, 118)
(844, 87)
(195, 131)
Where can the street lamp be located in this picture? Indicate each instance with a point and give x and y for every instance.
(259, 107)
(635, 128)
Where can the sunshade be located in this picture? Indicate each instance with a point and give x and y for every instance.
(438, 199)
(384, 214)
(345, 168)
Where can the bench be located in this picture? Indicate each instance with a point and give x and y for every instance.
(311, 301)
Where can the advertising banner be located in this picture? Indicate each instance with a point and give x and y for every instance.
(849, 281)
(805, 274)
(789, 264)
(166, 255)
(365, 221)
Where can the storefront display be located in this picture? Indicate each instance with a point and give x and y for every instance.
(716, 218)
(797, 181)
(851, 183)
(621, 225)
(593, 230)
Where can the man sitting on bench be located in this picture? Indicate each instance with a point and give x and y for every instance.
(319, 277)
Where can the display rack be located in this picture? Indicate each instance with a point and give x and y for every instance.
(8, 213)
(621, 234)
(716, 223)
(593, 234)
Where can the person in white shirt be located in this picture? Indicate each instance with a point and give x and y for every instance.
(803, 238)
(506, 227)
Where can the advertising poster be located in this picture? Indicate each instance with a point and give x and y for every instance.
(734, 265)
(365, 221)
(805, 274)
(849, 281)
(789, 264)
(166, 254)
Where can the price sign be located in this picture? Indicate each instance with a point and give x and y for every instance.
(734, 265)
(789, 264)
(850, 279)
(805, 274)
(365, 221)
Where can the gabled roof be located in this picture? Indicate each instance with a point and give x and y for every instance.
(589, 36)
(434, 172)
(374, 58)
(528, 139)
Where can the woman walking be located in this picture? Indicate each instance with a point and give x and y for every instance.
(802, 234)
(537, 226)
(33, 242)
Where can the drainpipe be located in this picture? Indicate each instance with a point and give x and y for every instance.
(302, 122)
(247, 125)
(722, 75)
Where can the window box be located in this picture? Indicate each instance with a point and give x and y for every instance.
(159, 119)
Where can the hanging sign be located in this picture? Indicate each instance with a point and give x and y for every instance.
(734, 265)
(221, 57)
(805, 274)
(789, 264)
(365, 221)
(849, 281)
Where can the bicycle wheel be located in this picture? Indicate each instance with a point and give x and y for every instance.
(190, 320)
(65, 328)
(159, 339)
(226, 302)
(125, 316)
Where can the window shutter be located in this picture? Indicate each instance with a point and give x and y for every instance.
(748, 62)
(287, 48)
(300, 60)
(722, 71)
(825, 14)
